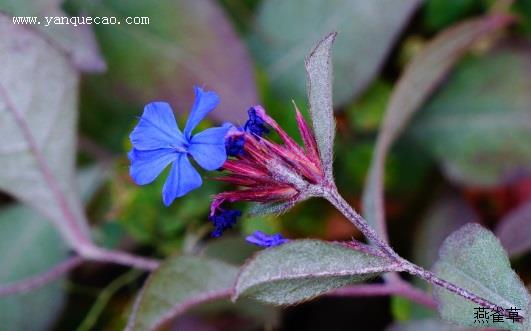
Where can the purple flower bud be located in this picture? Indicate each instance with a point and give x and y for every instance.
(262, 239)
(234, 145)
(223, 220)
(255, 124)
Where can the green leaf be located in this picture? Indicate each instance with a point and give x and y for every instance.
(319, 71)
(232, 250)
(303, 269)
(419, 79)
(479, 125)
(446, 214)
(76, 40)
(28, 246)
(38, 127)
(178, 284)
(514, 230)
(286, 30)
(185, 43)
(473, 259)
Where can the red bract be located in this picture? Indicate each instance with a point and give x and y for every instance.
(268, 172)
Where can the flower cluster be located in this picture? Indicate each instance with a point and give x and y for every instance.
(264, 171)
(267, 172)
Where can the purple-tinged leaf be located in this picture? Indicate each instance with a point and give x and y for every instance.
(286, 30)
(177, 285)
(473, 259)
(303, 269)
(77, 41)
(478, 125)
(419, 79)
(186, 43)
(514, 230)
(448, 213)
(38, 128)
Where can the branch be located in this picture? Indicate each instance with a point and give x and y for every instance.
(48, 276)
(330, 193)
(99, 254)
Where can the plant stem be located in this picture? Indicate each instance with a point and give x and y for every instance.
(344, 207)
(331, 194)
(99, 254)
(48, 276)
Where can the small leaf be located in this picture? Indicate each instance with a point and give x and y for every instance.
(303, 269)
(76, 40)
(319, 71)
(473, 259)
(478, 126)
(286, 30)
(419, 80)
(38, 128)
(178, 284)
(514, 230)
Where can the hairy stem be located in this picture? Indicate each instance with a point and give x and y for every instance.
(48, 276)
(99, 254)
(344, 207)
(330, 193)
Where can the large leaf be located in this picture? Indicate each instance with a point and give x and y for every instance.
(514, 230)
(419, 80)
(287, 30)
(76, 40)
(180, 283)
(479, 125)
(448, 213)
(473, 259)
(319, 72)
(38, 99)
(185, 43)
(29, 246)
(303, 269)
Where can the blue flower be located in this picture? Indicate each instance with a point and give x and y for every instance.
(255, 124)
(158, 142)
(223, 220)
(262, 239)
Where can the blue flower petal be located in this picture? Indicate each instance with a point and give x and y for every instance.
(262, 239)
(204, 103)
(182, 179)
(208, 148)
(157, 128)
(147, 165)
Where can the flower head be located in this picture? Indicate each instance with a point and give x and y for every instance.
(262, 239)
(223, 220)
(158, 142)
(267, 172)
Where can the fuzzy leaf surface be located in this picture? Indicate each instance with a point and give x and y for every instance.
(303, 269)
(473, 258)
